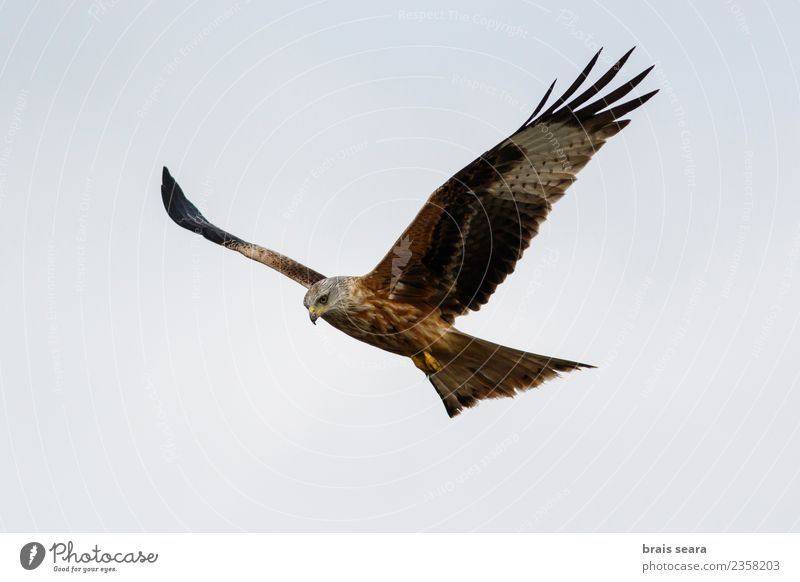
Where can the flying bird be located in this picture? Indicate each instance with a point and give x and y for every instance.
(463, 243)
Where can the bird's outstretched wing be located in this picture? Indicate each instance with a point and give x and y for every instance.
(185, 214)
(474, 228)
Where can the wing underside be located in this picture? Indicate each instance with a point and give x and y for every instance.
(473, 229)
(186, 215)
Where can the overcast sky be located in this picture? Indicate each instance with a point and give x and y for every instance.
(150, 380)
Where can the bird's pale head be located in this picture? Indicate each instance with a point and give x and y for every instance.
(327, 296)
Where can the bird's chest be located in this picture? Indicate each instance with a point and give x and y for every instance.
(396, 327)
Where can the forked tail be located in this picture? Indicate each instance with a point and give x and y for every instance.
(465, 369)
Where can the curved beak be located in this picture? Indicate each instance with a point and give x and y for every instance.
(313, 314)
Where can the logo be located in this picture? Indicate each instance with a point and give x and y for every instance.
(31, 555)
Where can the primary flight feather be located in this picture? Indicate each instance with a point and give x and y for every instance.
(462, 244)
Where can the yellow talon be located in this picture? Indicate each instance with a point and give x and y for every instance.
(432, 362)
(427, 363)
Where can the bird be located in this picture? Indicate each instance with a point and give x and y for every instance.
(463, 243)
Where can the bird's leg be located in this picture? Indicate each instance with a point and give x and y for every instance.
(427, 363)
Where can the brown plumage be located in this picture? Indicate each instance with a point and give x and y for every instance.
(464, 242)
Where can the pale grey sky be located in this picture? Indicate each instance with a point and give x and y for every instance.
(150, 380)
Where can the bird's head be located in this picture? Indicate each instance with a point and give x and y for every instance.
(326, 296)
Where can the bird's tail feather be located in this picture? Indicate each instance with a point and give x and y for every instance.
(466, 369)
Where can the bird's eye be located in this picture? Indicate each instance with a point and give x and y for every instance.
(323, 300)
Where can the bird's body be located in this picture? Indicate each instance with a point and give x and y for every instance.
(464, 242)
(400, 328)
(435, 346)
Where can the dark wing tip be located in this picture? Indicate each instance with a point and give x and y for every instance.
(575, 85)
(177, 206)
(169, 189)
(538, 107)
(623, 109)
(167, 181)
(614, 96)
(578, 109)
(186, 214)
